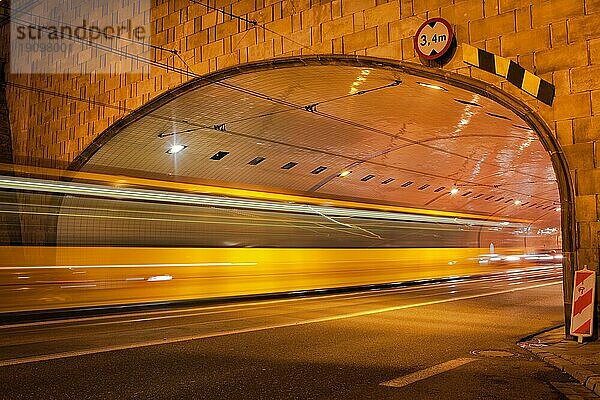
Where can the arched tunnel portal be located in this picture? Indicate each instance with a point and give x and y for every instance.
(343, 128)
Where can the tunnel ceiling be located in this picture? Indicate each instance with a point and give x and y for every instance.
(404, 141)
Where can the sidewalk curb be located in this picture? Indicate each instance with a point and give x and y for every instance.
(589, 379)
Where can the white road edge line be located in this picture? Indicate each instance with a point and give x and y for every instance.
(259, 305)
(427, 372)
(67, 354)
(248, 305)
(243, 306)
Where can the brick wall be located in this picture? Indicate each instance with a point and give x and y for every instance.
(559, 40)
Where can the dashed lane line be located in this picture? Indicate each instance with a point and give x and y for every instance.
(427, 372)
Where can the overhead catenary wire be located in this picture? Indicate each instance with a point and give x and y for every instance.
(251, 22)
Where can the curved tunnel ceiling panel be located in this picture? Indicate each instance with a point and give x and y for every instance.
(369, 121)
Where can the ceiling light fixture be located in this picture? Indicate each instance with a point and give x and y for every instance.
(176, 148)
(518, 202)
(345, 173)
(454, 190)
(431, 86)
(557, 209)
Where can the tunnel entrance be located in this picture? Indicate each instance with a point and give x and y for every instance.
(353, 128)
(348, 131)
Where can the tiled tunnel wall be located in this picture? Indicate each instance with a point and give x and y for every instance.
(557, 40)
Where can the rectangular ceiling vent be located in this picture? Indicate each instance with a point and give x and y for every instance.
(509, 201)
(318, 170)
(499, 198)
(466, 194)
(439, 189)
(489, 198)
(478, 196)
(407, 184)
(219, 155)
(289, 165)
(368, 177)
(468, 103)
(522, 127)
(425, 186)
(388, 180)
(257, 161)
(497, 116)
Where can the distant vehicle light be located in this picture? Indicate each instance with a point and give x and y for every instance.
(159, 278)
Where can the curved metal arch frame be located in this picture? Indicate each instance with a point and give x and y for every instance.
(535, 121)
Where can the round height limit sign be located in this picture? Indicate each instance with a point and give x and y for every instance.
(433, 39)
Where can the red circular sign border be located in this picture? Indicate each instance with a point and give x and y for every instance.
(446, 47)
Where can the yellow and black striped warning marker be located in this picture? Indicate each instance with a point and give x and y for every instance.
(513, 72)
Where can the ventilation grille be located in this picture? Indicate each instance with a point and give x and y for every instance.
(219, 155)
(498, 116)
(469, 103)
(368, 177)
(256, 161)
(289, 165)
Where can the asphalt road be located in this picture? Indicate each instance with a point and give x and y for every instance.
(418, 342)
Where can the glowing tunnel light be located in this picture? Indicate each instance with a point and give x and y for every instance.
(176, 148)
(431, 86)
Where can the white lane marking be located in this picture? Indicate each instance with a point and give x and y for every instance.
(427, 372)
(67, 354)
(238, 307)
(183, 313)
